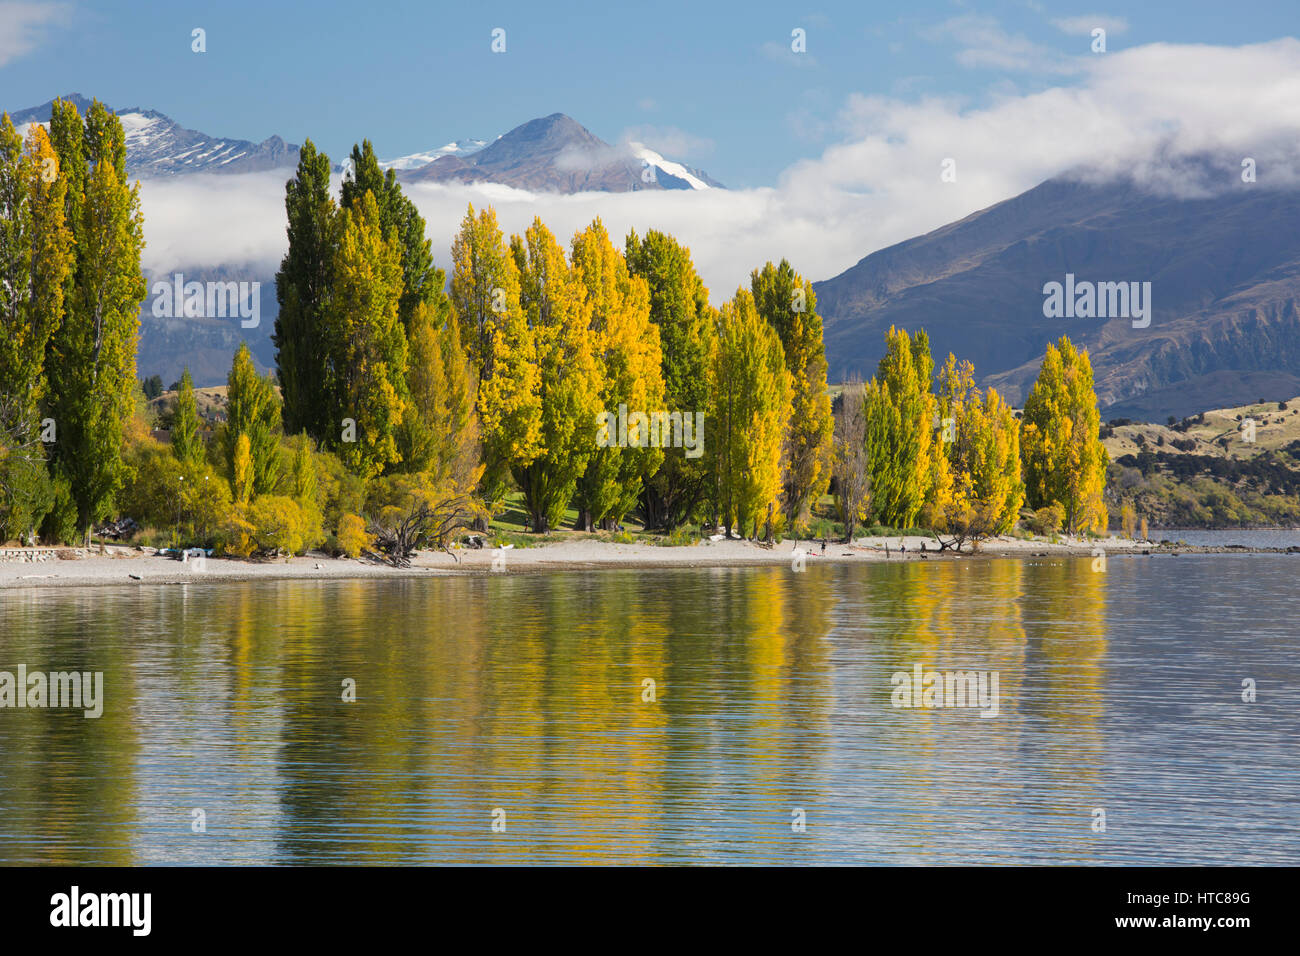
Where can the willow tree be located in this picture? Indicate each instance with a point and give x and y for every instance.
(35, 264)
(786, 300)
(679, 308)
(499, 343)
(751, 398)
(554, 299)
(90, 359)
(1064, 460)
(629, 364)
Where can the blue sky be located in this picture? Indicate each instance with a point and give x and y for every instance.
(713, 84)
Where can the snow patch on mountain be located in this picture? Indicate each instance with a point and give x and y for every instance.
(675, 171)
(461, 147)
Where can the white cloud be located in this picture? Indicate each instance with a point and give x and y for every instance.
(23, 26)
(1140, 112)
(207, 220)
(985, 45)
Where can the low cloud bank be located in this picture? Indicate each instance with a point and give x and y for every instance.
(1175, 118)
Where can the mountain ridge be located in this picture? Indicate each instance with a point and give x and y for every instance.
(551, 153)
(1224, 273)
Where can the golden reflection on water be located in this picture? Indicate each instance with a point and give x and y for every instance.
(531, 695)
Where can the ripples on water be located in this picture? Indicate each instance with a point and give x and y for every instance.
(1119, 691)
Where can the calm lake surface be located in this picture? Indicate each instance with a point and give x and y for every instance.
(1280, 538)
(1118, 691)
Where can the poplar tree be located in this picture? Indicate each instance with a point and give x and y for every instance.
(900, 436)
(400, 222)
(554, 299)
(849, 462)
(983, 455)
(36, 257)
(499, 343)
(751, 393)
(1064, 459)
(91, 355)
(302, 287)
(630, 369)
(252, 413)
(241, 469)
(366, 343)
(679, 307)
(35, 264)
(187, 447)
(786, 300)
(439, 434)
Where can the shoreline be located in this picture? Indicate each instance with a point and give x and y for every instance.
(119, 565)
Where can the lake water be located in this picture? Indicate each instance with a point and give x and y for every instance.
(522, 698)
(1280, 538)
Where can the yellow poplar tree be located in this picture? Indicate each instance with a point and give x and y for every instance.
(1128, 520)
(1064, 460)
(984, 457)
(630, 368)
(241, 476)
(554, 300)
(367, 345)
(786, 300)
(499, 343)
(751, 396)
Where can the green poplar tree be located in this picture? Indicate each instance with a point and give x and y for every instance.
(91, 356)
(35, 264)
(366, 343)
(187, 446)
(679, 307)
(302, 288)
(399, 221)
(900, 429)
(253, 413)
